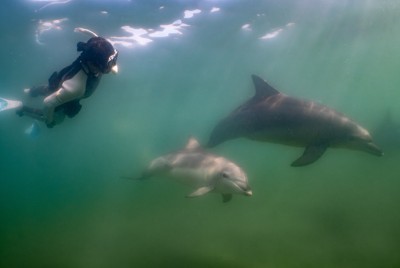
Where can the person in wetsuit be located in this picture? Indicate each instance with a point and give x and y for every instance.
(77, 81)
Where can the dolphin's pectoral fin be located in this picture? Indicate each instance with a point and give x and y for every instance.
(201, 191)
(226, 197)
(310, 155)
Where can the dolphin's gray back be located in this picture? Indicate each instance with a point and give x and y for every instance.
(284, 119)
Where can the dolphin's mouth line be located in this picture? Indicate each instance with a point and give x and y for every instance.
(374, 149)
(245, 190)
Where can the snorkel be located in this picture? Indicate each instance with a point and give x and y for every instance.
(112, 62)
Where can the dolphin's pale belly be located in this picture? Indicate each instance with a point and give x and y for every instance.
(189, 176)
(189, 168)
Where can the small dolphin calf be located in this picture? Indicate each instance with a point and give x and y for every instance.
(202, 171)
(274, 117)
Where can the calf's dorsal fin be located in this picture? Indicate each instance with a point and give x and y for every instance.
(192, 144)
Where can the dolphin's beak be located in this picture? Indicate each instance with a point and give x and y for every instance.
(114, 69)
(248, 193)
(372, 148)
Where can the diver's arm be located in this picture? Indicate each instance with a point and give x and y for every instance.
(71, 89)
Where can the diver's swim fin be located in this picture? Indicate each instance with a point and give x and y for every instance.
(6, 104)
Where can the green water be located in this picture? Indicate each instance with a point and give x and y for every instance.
(63, 204)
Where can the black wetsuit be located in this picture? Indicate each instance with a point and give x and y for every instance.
(73, 107)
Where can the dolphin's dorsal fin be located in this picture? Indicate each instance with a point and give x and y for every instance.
(263, 89)
(192, 144)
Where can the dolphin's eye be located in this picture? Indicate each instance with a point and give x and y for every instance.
(225, 175)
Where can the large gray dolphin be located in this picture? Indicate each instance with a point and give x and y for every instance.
(202, 171)
(271, 116)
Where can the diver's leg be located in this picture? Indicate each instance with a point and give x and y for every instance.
(31, 112)
(46, 115)
(37, 91)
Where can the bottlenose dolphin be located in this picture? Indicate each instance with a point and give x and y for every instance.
(271, 116)
(202, 171)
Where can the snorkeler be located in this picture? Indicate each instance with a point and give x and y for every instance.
(77, 81)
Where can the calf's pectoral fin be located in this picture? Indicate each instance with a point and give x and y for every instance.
(310, 155)
(226, 197)
(201, 191)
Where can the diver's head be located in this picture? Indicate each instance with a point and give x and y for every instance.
(99, 54)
